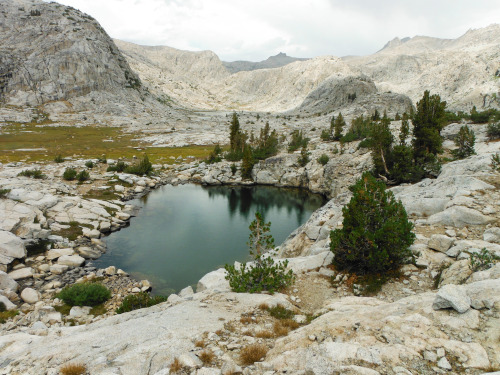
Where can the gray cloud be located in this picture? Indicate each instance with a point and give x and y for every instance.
(254, 30)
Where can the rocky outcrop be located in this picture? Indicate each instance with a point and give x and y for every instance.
(51, 52)
(352, 94)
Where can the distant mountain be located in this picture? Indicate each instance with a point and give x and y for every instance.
(281, 59)
(463, 71)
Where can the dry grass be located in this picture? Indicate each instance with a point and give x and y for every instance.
(175, 366)
(207, 357)
(246, 320)
(230, 327)
(279, 329)
(73, 369)
(253, 353)
(290, 323)
(264, 306)
(200, 344)
(264, 334)
(284, 326)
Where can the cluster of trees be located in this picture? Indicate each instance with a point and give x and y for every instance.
(398, 160)
(250, 148)
(336, 127)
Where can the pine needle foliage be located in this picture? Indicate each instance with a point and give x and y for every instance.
(376, 233)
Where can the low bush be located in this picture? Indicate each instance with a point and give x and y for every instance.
(495, 162)
(59, 159)
(4, 192)
(139, 301)
(323, 159)
(84, 294)
(89, 164)
(482, 260)
(69, 174)
(280, 312)
(32, 173)
(493, 131)
(144, 167)
(119, 167)
(479, 117)
(215, 156)
(83, 176)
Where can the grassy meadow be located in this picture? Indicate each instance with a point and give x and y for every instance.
(35, 142)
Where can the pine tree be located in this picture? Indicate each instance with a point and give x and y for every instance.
(465, 142)
(247, 163)
(304, 156)
(264, 273)
(338, 127)
(405, 130)
(234, 133)
(380, 143)
(428, 121)
(376, 233)
(237, 139)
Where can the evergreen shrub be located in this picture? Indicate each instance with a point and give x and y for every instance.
(376, 233)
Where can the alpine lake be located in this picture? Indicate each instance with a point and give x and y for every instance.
(183, 232)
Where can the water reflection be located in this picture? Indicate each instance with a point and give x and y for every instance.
(264, 198)
(183, 232)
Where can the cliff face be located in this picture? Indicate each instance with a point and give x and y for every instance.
(51, 52)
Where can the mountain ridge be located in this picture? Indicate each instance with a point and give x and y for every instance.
(461, 71)
(276, 61)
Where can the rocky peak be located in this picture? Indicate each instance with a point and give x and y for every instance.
(276, 61)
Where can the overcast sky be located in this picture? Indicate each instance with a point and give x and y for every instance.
(255, 29)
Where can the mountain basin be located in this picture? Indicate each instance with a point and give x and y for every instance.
(183, 232)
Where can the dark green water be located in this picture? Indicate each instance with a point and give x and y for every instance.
(183, 232)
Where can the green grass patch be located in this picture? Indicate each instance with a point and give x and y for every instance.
(102, 194)
(4, 192)
(72, 232)
(280, 312)
(98, 310)
(47, 142)
(6, 315)
(63, 309)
